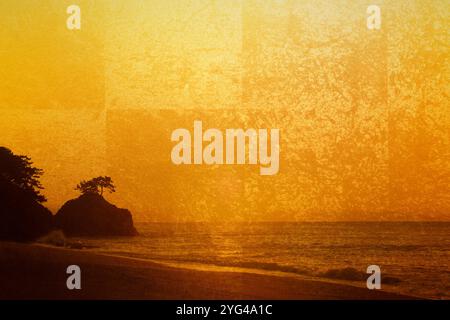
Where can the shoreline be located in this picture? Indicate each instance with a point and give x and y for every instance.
(33, 271)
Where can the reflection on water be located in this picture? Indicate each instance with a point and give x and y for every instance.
(414, 257)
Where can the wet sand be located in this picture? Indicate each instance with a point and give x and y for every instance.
(29, 271)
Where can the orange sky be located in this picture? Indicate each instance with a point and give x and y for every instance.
(364, 116)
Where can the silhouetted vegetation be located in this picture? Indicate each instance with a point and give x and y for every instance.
(22, 216)
(17, 170)
(96, 185)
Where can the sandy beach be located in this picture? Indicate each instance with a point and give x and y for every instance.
(29, 271)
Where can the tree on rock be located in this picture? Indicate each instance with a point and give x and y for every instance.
(96, 185)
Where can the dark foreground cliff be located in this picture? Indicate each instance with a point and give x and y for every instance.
(21, 217)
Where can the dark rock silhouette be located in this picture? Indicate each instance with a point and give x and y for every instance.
(92, 215)
(21, 218)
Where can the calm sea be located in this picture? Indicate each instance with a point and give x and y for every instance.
(414, 257)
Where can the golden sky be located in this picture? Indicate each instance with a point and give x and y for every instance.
(364, 115)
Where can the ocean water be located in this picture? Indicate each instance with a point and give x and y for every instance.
(414, 257)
